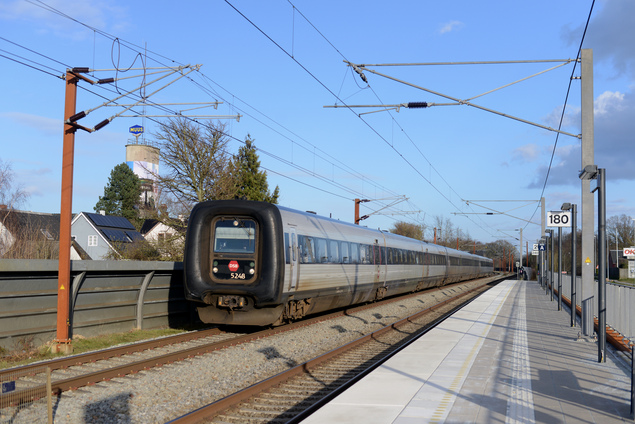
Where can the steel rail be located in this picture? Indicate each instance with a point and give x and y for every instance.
(209, 411)
(91, 378)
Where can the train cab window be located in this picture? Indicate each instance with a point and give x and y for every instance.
(235, 235)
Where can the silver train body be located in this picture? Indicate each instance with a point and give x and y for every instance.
(255, 263)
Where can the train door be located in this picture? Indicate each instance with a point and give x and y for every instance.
(293, 257)
(425, 263)
(377, 261)
(447, 265)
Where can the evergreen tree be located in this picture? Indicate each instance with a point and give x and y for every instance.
(250, 181)
(122, 194)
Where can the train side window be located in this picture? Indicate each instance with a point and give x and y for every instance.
(334, 252)
(320, 250)
(344, 250)
(354, 253)
(307, 249)
(286, 248)
(365, 254)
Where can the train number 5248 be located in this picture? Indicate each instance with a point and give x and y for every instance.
(237, 276)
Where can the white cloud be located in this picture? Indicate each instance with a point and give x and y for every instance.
(570, 121)
(101, 15)
(48, 126)
(450, 26)
(608, 102)
(526, 153)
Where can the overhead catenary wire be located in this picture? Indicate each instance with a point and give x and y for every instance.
(274, 121)
(564, 107)
(409, 163)
(171, 63)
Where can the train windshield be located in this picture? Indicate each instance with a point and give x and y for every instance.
(235, 235)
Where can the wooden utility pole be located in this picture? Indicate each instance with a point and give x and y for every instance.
(357, 217)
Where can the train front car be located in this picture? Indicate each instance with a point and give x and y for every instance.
(234, 262)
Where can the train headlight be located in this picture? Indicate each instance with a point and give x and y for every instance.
(214, 270)
(252, 271)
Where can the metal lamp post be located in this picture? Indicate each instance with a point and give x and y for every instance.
(574, 244)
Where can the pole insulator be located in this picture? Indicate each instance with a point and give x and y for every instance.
(77, 116)
(102, 124)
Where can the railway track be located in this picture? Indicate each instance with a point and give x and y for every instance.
(294, 394)
(87, 369)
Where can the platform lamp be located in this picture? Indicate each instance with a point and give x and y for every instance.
(592, 172)
(574, 244)
(549, 261)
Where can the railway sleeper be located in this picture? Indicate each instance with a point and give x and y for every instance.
(276, 394)
(289, 399)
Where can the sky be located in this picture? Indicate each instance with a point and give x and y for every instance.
(280, 63)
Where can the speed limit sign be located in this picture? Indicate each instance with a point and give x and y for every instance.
(559, 219)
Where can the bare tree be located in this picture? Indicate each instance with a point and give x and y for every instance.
(12, 196)
(620, 230)
(195, 160)
(446, 232)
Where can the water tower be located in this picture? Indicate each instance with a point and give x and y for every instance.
(143, 158)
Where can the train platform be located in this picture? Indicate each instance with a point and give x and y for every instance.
(507, 357)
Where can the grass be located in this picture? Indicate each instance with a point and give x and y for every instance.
(626, 281)
(25, 352)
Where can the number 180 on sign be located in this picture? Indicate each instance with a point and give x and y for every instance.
(559, 219)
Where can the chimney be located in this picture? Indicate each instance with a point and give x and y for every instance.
(102, 212)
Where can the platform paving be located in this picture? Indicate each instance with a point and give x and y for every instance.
(508, 357)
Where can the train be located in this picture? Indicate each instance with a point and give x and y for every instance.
(260, 264)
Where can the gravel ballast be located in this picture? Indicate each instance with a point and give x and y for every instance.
(167, 392)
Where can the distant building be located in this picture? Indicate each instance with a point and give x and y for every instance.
(143, 160)
(28, 235)
(160, 235)
(99, 235)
